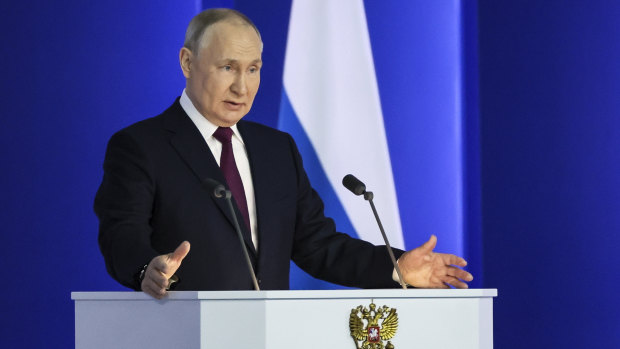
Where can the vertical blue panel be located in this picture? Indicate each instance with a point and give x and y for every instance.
(550, 132)
(472, 217)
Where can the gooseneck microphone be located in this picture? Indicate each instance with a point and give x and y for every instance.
(218, 191)
(353, 184)
(358, 188)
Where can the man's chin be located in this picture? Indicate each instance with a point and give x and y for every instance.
(230, 119)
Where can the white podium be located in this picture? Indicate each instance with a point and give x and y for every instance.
(280, 319)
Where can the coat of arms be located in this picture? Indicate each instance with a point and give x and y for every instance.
(371, 327)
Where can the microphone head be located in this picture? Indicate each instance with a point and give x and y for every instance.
(353, 184)
(214, 187)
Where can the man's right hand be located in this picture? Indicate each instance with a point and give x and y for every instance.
(161, 269)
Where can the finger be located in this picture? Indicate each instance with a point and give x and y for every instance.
(429, 246)
(157, 278)
(156, 271)
(442, 285)
(180, 253)
(459, 274)
(451, 280)
(436, 282)
(450, 259)
(158, 264)
(152, 290)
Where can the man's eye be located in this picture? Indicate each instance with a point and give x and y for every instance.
(227, 68)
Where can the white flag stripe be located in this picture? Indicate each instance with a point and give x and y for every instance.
(330, 79)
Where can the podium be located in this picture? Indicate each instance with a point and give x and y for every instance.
(427, 319)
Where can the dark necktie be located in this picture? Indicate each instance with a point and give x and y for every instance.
(231, 173)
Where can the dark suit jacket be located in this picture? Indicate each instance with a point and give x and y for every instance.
(151, 199)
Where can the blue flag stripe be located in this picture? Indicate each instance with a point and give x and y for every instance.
(288, 122)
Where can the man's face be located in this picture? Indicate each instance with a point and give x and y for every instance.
(223, 76)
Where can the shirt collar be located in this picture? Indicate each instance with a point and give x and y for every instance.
(206, 127)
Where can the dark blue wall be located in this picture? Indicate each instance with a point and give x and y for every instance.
(550, 135)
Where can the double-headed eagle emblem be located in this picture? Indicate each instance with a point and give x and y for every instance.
(371, 327)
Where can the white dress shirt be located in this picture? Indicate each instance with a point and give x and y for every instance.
(207, 129)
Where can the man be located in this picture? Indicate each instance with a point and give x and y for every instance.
(151, 203)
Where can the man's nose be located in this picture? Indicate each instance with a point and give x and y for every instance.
(239, 86)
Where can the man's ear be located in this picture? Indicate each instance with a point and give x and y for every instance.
(185, 60)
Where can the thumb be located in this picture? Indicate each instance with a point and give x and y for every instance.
(180, 253)
(429, 246)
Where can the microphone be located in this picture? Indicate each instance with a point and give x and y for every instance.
(358, 188)
(218, 191)
(353, 184)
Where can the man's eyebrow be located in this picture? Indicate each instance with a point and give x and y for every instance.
(228, 60)
(236, 61)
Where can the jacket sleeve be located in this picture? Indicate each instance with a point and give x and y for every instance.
(124, 204)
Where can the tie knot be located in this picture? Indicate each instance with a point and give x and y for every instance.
(223, 134)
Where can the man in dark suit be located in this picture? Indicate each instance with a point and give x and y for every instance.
(151, 200)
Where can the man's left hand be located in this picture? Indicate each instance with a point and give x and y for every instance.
(423, 268)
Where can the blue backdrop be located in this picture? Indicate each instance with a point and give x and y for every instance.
(550, 154)
(545, 148)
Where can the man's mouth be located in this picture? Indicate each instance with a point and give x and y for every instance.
(233, 105)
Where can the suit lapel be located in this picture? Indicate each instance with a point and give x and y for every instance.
(192, 148)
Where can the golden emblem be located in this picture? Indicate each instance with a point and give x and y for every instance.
(371, 327)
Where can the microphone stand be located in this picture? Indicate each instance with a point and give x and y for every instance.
(228, 196)
(368, 196)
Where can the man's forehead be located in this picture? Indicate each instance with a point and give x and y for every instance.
(231, 32)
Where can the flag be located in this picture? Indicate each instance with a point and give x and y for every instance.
(330, 105)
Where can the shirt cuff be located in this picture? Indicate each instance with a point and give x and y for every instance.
(395, 276)
(395, 273)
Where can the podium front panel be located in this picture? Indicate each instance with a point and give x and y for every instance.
(279, 319)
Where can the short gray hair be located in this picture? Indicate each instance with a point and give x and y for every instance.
(199, 24)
